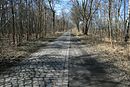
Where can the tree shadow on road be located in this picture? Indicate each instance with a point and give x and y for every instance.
(45, 70)
(87, 71)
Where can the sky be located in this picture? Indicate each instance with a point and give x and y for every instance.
(63, 5)
(66, 6)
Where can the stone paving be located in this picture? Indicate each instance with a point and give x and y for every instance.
(86, 69)
(64, 63)
(46, 68)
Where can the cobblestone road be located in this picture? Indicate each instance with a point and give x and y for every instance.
(87, 68)
(64, 63)
(46, 68)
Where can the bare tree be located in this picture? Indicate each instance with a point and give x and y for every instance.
(13, 22)
(127, 31)
(76, 16)
(87, 9)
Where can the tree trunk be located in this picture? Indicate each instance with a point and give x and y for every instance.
(45, 19)
(86, 29)
(110, 22)
(13, 25)
(53, 21)
(127, 31)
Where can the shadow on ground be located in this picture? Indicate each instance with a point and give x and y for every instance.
(40, 71)
(87, 71)
(29, 47)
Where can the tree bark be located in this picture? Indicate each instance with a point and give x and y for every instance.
(127, 31)
(13, 25)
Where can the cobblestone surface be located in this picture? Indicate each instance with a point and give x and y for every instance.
(64, 63)
(87, 69)
(46, 68)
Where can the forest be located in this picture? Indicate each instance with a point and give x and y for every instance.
(64, 43)
(29, 20)
(110, 18)
(24, 20)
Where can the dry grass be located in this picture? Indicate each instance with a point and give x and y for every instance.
(11, 56)
(26, 48)
(76, 32)
(119, 55)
